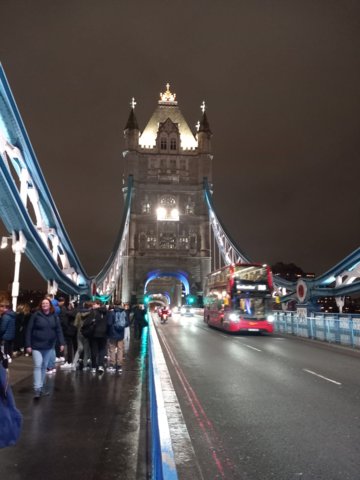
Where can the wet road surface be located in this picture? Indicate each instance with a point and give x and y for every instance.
(90, 427)
(265, 407)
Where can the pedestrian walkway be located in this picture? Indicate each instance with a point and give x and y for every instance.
(90, 427)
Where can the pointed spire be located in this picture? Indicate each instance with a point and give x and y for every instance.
(132, 121)
(204, 123)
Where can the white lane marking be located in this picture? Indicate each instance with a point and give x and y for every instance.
(321, 376)
(252, 348)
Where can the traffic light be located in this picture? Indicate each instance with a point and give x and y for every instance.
(190, 299)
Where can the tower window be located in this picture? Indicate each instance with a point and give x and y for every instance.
(173, 144)
(163, 143)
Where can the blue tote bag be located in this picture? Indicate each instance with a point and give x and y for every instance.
(10, 417)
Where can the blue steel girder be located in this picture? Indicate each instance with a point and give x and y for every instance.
(345, 275)
(107, 278)
(47, 243)
(229, 251)
(341, 280)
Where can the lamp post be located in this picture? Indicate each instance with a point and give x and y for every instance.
(18, 247)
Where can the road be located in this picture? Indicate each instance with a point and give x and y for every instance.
(265, 407)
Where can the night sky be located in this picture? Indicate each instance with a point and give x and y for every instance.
(281, 81)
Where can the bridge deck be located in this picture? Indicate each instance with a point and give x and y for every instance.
(91, 426)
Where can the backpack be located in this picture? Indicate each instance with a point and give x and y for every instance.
(88, 326)
(120, 320)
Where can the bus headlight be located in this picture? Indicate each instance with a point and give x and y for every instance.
(234, 317)
(270, 318)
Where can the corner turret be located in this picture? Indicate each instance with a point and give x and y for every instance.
(204, 133)
(131, 130)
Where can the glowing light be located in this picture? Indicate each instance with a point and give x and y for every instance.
(167, 97)
(174, 214)
(161, 213)
(165, 214)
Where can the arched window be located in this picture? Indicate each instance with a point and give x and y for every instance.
(163, 143)
(173, 144)
(167, 209)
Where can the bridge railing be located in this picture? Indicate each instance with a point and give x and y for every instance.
(162, 455)
(343, 329)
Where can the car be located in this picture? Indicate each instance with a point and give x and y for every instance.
(187, 311)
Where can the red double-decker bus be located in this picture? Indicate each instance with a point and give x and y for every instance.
(238, 298)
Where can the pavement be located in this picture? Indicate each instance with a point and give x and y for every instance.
(91, 427)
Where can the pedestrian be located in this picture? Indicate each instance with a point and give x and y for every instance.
(82, 356)
(117, 323)
(43, 331)
(67, 318)
(95, 329)
(129, 314)
(139, 320)
(7, 327)
(23, 314)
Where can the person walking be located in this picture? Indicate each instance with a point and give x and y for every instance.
(139, 320)
(117, 323)
(82, 356)
(23, 314)
(43, 331)
(67, 318)
(96, 326)
(129, 314)
(7, 328)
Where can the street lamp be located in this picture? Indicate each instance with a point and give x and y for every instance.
(18, 247)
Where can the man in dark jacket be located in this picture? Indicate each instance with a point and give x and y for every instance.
(139, 320)
(98, 337)
(7, 328)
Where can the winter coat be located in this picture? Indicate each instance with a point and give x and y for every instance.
(100, 330)
(115, 333)
(43, 331)
(7, 325)
(140, 317)
(67, 322)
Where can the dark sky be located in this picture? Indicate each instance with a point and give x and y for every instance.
(281, 80)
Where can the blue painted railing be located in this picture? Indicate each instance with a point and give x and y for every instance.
(163, 461)
(343, 329)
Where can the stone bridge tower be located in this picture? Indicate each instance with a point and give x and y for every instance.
(169, 236)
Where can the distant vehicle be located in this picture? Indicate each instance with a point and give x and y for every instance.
(187, 311)
(238, 298)
(164, 314)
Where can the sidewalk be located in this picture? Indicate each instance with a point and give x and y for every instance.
(91, 427)
(19, 369)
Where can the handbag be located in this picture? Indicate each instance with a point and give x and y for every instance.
(10, 417)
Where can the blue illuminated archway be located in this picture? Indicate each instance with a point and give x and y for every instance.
(158, 273)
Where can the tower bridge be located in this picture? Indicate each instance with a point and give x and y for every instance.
(170, 236)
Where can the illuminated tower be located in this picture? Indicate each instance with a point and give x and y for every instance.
(169, 240)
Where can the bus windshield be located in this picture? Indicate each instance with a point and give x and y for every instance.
(252, 306)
